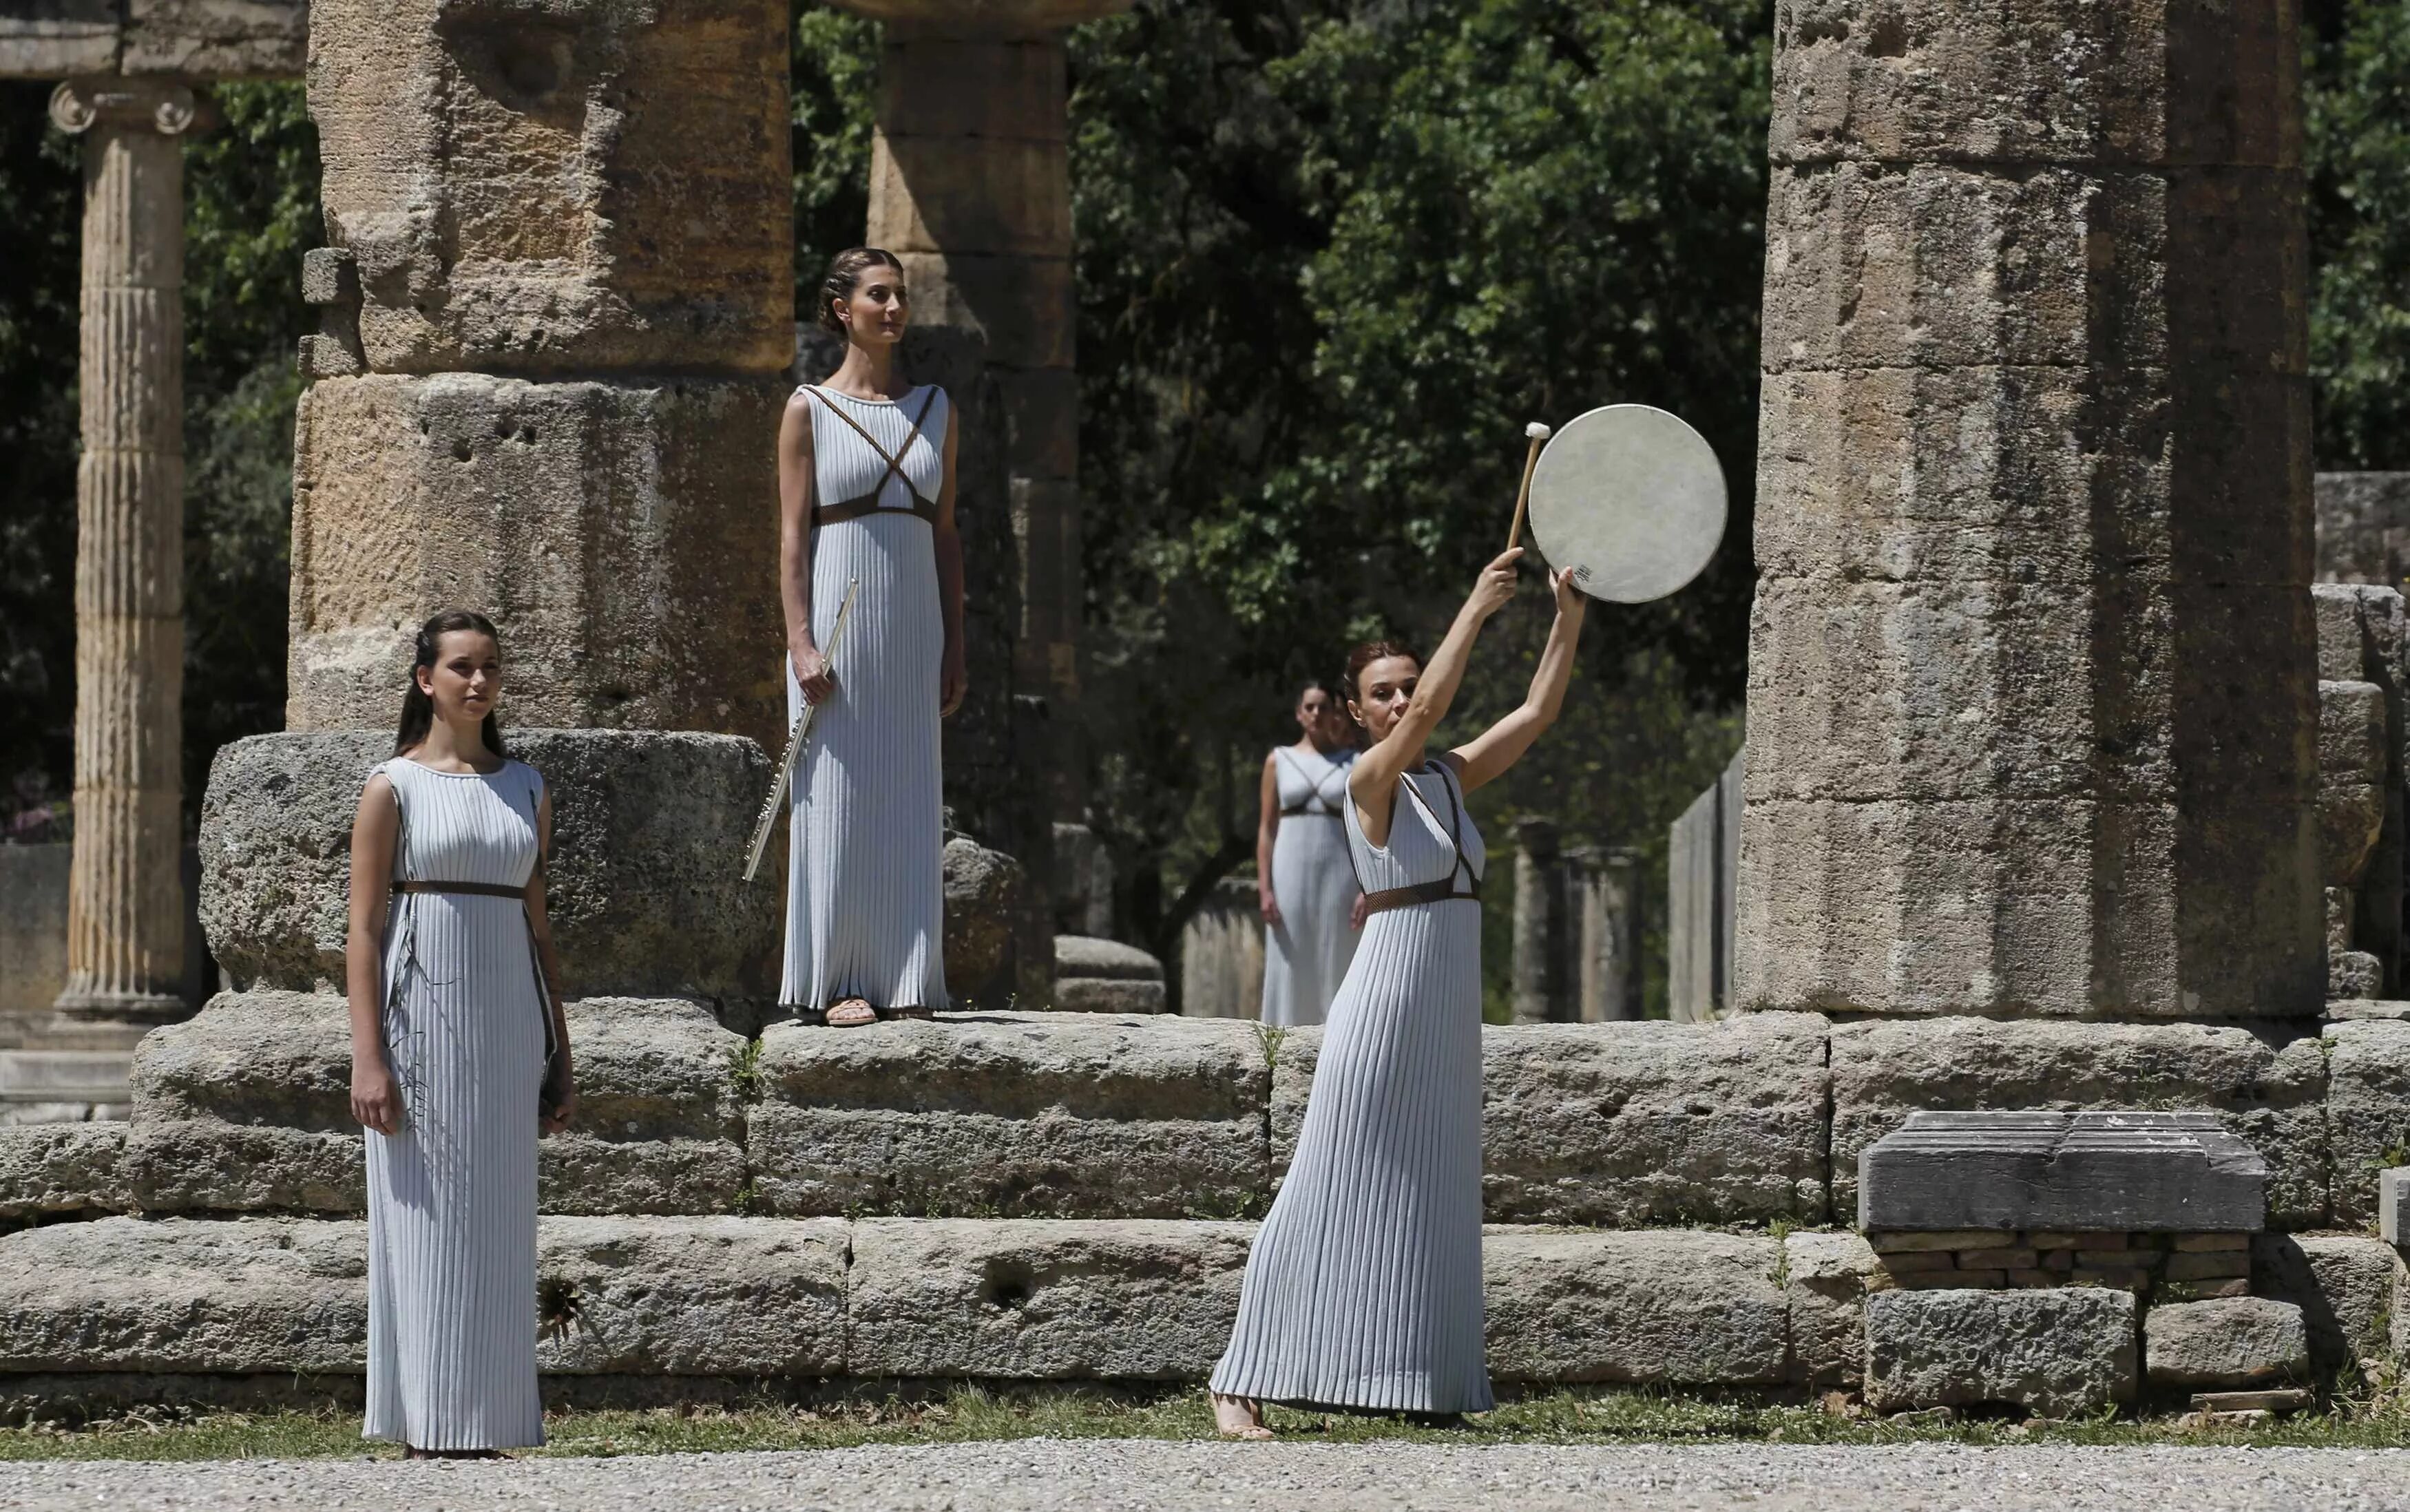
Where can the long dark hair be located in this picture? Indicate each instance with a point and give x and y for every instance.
(418, 709)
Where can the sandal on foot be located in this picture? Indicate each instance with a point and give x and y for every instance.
(921, 1014)
(850, 1013)
(1238, 1417)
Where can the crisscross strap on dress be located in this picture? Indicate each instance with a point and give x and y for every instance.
(1443, 889)
(1321, 789)
(413, 886)
(856, 508)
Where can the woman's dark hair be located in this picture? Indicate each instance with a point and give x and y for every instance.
(1369, 652)
(845, 270)
(1315, 685)
(418, 709)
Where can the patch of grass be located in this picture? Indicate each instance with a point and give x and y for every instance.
(969, 1414)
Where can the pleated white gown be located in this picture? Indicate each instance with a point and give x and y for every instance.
(865, 890)
(452, 1287)
(1306, 953)
(1364, 1285)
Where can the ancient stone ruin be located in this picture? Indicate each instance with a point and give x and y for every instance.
(2032, 1096)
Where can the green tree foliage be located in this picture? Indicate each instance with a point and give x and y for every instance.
(2359, 105)
(1332, 258)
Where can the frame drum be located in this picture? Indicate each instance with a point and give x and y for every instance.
(1630, 500)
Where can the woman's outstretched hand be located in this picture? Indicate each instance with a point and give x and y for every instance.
(1570, 599)
(1495, 587)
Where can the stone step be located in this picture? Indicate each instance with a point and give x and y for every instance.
(1624, 1125)
(2072, 1172)
(63, 1075)
(928, 1299)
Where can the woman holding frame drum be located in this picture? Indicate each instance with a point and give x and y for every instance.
(1364, 1287)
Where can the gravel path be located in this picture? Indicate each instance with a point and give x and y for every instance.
(1118, 1476)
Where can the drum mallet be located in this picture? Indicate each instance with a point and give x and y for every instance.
(1539, 434)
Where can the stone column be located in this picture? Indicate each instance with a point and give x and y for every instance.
(1604, 882)
(125, 919)
(2032, 672)
(1542, 979)
(970, 186)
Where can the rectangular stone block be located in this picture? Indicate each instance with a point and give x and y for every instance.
(613, 185)
(2059, 1351)
(1033, 1298)
(2393, 1205)
(640, 894)
(704, 1296)
(1675, 1307)
(600, 523)
(1014, 1114)
(285, 1296)
(2055, 81)
(961, 195)
(1631, 1123)
(2363, 527)
(2225, 1266)
(1637, 1123)
(2269, 1086)
(47, 1170)
(2107, 1170)
(247, 1108)
(1825, 1277)
(2344, 1286)
(198, 39)
(1918, 1241)
(60, 40)
(2224, 1343)
(2368, 1112)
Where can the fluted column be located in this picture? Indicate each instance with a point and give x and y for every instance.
(125, 918)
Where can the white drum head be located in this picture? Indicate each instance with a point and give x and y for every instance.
(1629, 500)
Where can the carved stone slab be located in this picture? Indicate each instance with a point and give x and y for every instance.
(2083, 1172)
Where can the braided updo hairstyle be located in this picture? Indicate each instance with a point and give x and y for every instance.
(418, 709)
(845, 270)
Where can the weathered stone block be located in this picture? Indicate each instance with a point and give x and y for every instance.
(247, 1107)
(985, 893)
(2363, 527)
(1673, 1307)
(1033, 1298)
(60, 40)
(2393, 1205)
(126, 1294)
(2367, 1109)
(217, 39)
(597, 187)
(1013, 1115)
(715, 1296)
(643, 894)
(2343, 1285)
(1104, 976)
(2101, 1171)
(2055, 1351)
(2265, 1084)
(1631, 1123)
(599, 524)
(681, 1296)
(49, 1168)
(958, 194)
(1825, 1278)
(2353, 752)
(2228, 1342)
(2055, 81)
(1637, 1123)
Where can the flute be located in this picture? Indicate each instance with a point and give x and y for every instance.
(798, 735)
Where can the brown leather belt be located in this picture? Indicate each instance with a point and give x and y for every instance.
(475, 889)
(867, 505)
(1321, 813)
(1406, 897)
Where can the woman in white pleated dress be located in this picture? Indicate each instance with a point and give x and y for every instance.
(459, 1057)
(1363, 1290)
(866, 506)
(1305, 884)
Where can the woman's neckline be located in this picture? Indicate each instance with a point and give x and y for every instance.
(859, 400)
(437, 771)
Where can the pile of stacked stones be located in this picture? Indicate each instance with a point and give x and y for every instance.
(2166, 1267)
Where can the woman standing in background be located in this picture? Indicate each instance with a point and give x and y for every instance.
(1304, 885)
